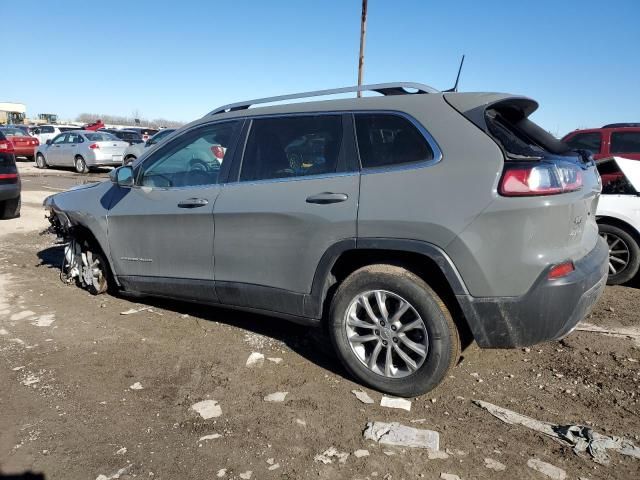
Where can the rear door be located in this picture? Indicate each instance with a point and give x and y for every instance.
(295, 196)
(160, 231)
(69, 149)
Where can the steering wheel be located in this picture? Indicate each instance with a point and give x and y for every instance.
(199, 172)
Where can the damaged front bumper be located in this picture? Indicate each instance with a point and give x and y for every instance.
(549, 311)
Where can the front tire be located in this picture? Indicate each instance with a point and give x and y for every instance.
(392, 331)
(624, 254)
(40, 161)
(10, 208)
(81, 165)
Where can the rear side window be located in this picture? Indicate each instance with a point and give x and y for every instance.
(387, 140)
(625, 142)
(586, 141)
(101, 137)
(292, 147)
(46, 129)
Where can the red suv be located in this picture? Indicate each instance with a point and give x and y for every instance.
(619, 139)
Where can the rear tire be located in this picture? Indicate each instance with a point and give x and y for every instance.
(404, 355)
(10, 208)
(40, 161)
(81, 165)
(624, 254)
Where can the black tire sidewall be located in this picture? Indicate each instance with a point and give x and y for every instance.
(414, 290)
(75, 164)
(634, 254)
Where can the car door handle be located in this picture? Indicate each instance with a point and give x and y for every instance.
(193, 203)
(325, 198)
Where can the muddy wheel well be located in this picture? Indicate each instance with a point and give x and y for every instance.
(421, 265)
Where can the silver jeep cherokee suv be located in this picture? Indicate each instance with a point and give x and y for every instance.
(407, 224)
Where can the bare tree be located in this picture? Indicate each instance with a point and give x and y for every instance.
(120, 120)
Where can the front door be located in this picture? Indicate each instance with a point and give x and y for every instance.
(296, 196)
(54, 152)
(161, 230)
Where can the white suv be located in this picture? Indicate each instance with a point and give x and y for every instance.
(47, 132)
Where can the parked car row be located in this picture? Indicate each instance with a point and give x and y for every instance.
(619, 139)
(24, 145)
(9, 179)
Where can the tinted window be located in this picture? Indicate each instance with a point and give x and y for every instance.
(292, 147)
(101, 137)
(625, 142)
(191, 159)
(585, 141)
(59, 139)
(46, 129)
(14, 132)
(385, 139)
(159, 136)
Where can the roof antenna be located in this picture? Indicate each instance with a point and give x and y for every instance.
(455, 87)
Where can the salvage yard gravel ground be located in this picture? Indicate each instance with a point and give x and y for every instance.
(67, 406)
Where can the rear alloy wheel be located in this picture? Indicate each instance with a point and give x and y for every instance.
(81, 165)
(40, 161)
(392, 331)
(624, 254)
(10, 208)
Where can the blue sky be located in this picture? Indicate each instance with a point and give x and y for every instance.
(180, 59)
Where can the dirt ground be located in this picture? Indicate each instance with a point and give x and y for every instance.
(71, 368)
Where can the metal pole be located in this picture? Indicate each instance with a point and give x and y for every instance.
(363, 36)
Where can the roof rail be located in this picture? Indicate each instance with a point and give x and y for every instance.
(399, 88)
(621, 125)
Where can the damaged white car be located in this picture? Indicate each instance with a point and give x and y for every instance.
(618, 216)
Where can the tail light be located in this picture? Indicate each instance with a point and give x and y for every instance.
(561, 270)
(6, 146)
(218, 152)
(35, 142)
(531, 179)
(94, 146)
(8, 176)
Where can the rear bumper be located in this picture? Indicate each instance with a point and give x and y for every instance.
(25, 151)
(549, 311)
(9, 191)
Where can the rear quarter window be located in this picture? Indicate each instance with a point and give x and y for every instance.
(388, 140)
(625, 142)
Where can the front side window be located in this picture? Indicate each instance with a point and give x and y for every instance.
(387, 140)
(586, 141)
(292, 147)
(46, 129)
(192, 159)
(59, 139)
(625, 142)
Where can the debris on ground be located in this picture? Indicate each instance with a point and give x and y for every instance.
(362, 396)
(401, 435)
(547, 469)
(213, 436)
(136, 386)
(255, 360)
(400, 403)
(492, 464)
(449, 476)
(30, 380)
(361, 453)
(122, 451)
(329, 454)
(116, 475)
(207, 409)
(276, 397)
(135, 310)
(44, 320)
(272, 464)
(22, 315)
(437, 455)
(275, 360)
(221, 473)
(246, 475)
(581, 438)
(301, 422)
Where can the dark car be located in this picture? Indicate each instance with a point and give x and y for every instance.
(9, 180)
(125, 135)
(619, 139)
(145, 133)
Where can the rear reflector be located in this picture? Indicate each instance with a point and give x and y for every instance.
(94, 146)
(531, 179)
(561, 270)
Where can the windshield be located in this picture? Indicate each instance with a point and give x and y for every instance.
(14, 132)
(101, 137)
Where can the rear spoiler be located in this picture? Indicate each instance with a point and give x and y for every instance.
(474, 106)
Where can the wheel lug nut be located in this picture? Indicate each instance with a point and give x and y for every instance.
(382, 324)
(393, 327)
(384, 342)
(395, 339)
(377, 332)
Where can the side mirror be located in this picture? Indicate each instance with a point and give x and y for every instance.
(48, 142)
(122, 176)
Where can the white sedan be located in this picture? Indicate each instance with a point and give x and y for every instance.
(618, 216)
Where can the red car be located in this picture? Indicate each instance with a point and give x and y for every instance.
(24, 145)
(619, 139)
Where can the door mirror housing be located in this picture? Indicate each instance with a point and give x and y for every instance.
(122, 176)
(48, 142)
